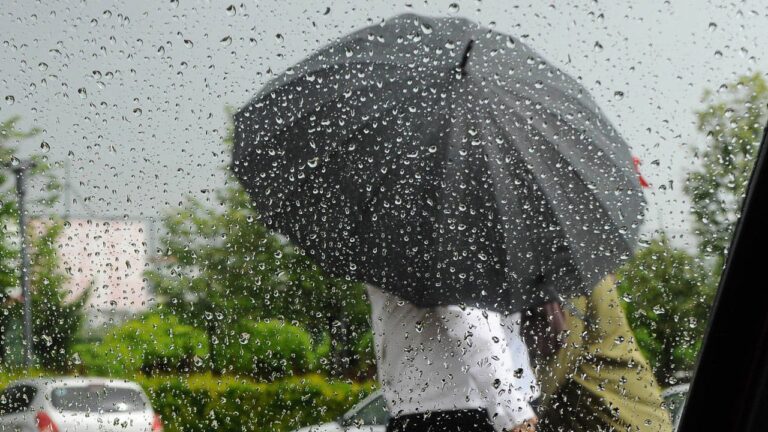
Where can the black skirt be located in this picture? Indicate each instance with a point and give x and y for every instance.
(475, 420)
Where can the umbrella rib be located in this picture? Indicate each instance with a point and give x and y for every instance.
(535, 130)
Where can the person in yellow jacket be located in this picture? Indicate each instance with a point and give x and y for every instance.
(598, 380)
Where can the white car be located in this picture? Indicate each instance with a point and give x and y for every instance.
(76, 404)
(369, 415)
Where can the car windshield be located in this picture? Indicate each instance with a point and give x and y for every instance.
(258, 213)
(97, 399)
(372, 413)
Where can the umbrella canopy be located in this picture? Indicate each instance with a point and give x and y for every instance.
(444, 162)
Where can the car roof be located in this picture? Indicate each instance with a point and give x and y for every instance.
(48, 382)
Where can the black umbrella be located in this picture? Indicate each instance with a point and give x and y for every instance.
(444, 162)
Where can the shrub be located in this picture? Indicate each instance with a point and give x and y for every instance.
(203, 402)
(267, 350)
(151, 344)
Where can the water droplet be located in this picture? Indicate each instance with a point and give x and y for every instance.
(712, 26)
(327, 11)
(510, 42)
(15, 161)
(348, 52)
(42, 66)
(244, 338)
(10, 100)
(45, 147)
(618, 95)
(518, 373)
(279, 37)
(82, 92)
(188, 43)
(226, 41)
(453, 8)
(426, 28)
(598, 46)
(496, 383)
(137, 112)
(231, 10)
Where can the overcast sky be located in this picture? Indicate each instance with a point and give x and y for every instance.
(133, 94)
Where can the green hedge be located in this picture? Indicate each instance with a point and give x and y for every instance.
(154, 343)
(205, 403)
(267, 350)
(161, 344)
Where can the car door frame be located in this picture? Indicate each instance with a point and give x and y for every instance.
(729, 391)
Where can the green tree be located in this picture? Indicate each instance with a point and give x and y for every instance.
(55, 319)
(152, 343)
(667, 296)
(220, 265)
(733, 122)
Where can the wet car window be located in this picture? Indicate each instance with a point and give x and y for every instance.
(16, 399)
(96, 399)
(373, 413)
(499, 213)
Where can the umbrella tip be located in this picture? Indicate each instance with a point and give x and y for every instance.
(465, 57)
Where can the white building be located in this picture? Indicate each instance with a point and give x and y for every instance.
(109, 258)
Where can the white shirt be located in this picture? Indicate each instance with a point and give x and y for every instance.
(450, 358)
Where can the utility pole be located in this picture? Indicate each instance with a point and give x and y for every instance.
(20, 169)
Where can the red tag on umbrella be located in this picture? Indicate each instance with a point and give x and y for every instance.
(643, 182)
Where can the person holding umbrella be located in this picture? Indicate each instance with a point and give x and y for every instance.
(446, 164)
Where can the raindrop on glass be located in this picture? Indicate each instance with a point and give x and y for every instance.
(598, 46)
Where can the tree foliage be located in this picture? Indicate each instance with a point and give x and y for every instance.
(733, 122)
(55, 318)
(221, 266)
(667, 296)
